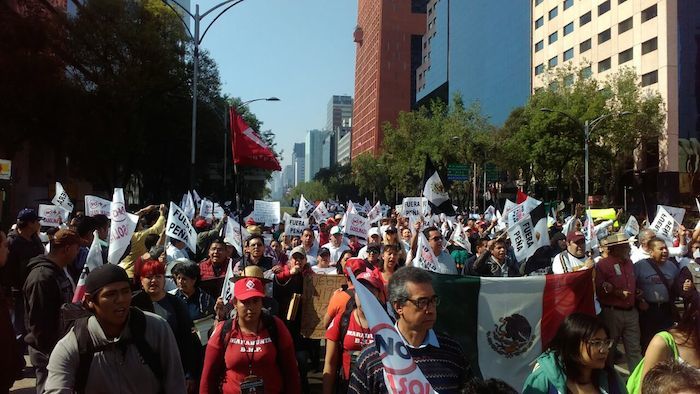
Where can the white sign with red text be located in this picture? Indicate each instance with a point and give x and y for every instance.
(356, 225)
(50, 215)
(121, 228)
(97, 206)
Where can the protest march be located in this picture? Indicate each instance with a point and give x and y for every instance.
(421, 297)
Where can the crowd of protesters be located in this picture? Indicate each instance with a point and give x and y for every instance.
(134, 330)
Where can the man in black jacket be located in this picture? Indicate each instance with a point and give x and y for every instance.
(46, 289)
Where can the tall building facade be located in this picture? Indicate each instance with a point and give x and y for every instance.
(339, 123)
(344, 143)
(313, 153)
(389, 40)
(660, 39)
(466, 50)
(299, 162)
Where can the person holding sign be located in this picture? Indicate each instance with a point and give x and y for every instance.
(439, 357)
(347, 334)
(251, 353)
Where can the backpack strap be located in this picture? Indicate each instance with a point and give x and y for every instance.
(86, 351)
(345, 319)
(137, 326)
(671, 294)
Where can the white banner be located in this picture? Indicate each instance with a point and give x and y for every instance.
(351, 208)
(227, 288)
(401, 373)
(235, 234)
(664, 225)
(375, 214)
(50, 215)
(180, 228)
(356, 225)
(61, 198)
(677, 213)
(94, 256)
(526, 237)
(426, 259)
(490, 213)
(460, 239)
(294, 227)
(412, 207)
(121, 228)
(219, 212)
(305, 207)
(97, 206)
(195, 196)
(267, 212)
(206, 209)
(320, 213)
(632, 227)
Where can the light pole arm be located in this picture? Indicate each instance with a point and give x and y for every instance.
(167, 3)
(217, 17)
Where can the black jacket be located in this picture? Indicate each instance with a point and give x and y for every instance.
(485, 266)
(46, 289)
(14, 273)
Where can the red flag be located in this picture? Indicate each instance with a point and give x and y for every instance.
(247, 146)
(521, 197)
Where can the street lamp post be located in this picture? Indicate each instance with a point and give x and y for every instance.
(588, 127)
(226, 136)
(197, 39)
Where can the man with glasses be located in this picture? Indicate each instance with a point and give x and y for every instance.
(439, 357)
(255, 255)
(446, 264)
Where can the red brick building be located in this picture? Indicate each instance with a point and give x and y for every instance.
(388, 52)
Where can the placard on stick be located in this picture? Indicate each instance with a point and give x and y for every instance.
(318, 290)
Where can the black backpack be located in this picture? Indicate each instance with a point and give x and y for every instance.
(345, 318)
(76, 317)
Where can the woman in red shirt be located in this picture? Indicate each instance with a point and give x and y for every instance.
(252, 360)
(347, 334)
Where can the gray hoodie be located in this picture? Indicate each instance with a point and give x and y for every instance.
(116, 371)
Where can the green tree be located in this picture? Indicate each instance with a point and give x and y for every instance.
(312, 191)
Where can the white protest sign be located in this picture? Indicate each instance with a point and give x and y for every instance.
(97, 206)
(677, 213)
(227, 288)
(94, 256)
(375, 214)
(412, 207)
(50, 215)
(195, 196)
(459, 238)
(400, 371)
(356, 225)
(61, 198)
(267, 212)
(294, 227)
(219, 212)
(351, 208)
(490, 213)
(179, 227)
(206, 208)
(305, 207)
(632, 227)
(425, 259)
(518, 212)
(235, 234)
(320, 213)
(399, 209)
(664, 224)
(526, 237)
(121, 228)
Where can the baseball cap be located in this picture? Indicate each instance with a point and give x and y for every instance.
(356, 265)
(335, 230)
(373, 231)
(248, 288)
(374, 247)
(298, 250)
(200, 224)
(390, 229)
(575, 236)
(323, 251)
(370, 279)
(66, 237)
(28, 215)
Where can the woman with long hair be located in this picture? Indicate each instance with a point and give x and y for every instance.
(388, 264)
(575, 361)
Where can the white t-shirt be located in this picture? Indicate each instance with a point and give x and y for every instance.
(324, 271)
(566, 262)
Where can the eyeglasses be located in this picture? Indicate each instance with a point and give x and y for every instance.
(424, 303)
(601, 344)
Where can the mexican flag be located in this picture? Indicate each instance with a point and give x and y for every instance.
(503, 324)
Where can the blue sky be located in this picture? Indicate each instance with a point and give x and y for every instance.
(298, 50)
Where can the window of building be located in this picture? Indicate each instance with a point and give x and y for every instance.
(603, 7)
(538, 2)
(568, 4)
(568, 29)
(585, 18)
(568, 80)
(553, 13)
(625, 56)
(553, 37)
(552, 62)
(539, 22)
(649, 13)
(586, 72)
(586, 45)
(649, 46)
(603, 36)
(568, 54)
(604, 65)
(539, 69)
(539, 45)
(624, 25)
(620, 1)
(650, 78)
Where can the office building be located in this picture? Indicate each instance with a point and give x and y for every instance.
(299, 162)
(344, 143)
(313, 153)
(328, 150)
(660, 40)
(339, 123)
(388, 41)
(466, 50)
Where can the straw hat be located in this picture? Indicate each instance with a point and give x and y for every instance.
(615, 239)
(251, 271)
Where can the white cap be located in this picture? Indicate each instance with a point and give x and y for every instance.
(373, 231)
(335, 230)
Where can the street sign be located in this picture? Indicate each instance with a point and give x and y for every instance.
(457, 172)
